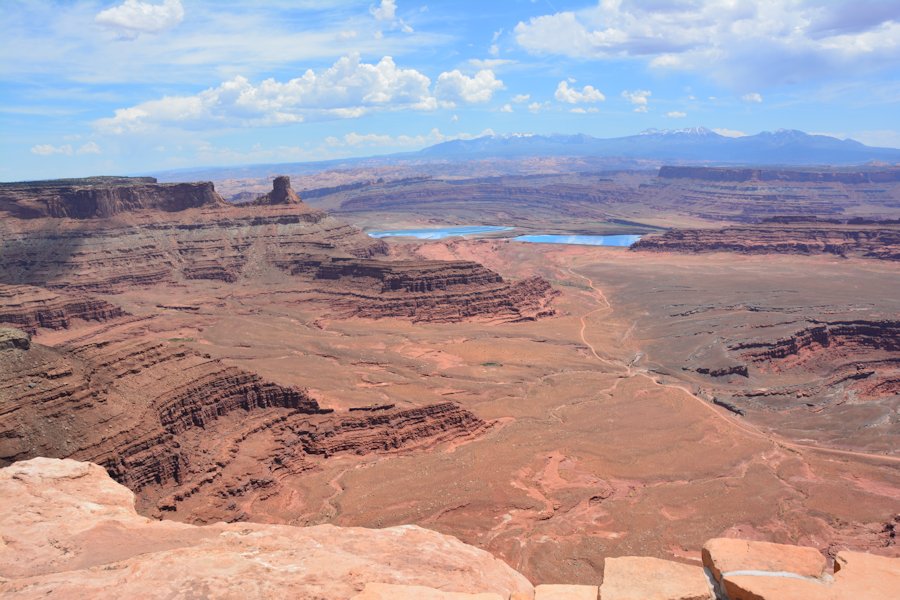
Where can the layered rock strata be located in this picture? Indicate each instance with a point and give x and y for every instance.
(841, 240)
(748, 195)
(826, 364)
(29, 308)
(169, 422)
(111, 251)
(70, 531)
(102, 197)
(836, 337)
(139, 249)
(436, 291)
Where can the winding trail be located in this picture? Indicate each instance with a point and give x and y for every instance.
(606, 306)
(631, 371)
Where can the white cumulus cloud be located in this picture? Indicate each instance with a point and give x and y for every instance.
(676, 114)
(348, 89)
(752, 97)
(453, 87)
(588, 94)
(89, 148)
(638, 98)
(386, 11)
(734, 41)
(50, 149)
(133, 17)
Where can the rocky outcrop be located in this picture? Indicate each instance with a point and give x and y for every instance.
(29, 308)
(168, 422)
(842, 240)
(281, 193)
(14, 339)
(70, 531)
(858, 357)
(101, 198)
(433, 291)
(524, 300)
(819, 366)
(388, 430)
(855, 338)
(750, 570)
(410, 276)
(144, 394)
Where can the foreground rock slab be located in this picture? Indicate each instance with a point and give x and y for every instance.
(725, 555)
(857, 576)
(565, 592)
(646, 578)
(387, 591)
(71, 531)
(745, 570)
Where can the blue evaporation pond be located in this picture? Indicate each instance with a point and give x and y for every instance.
(584, 240)
(437, 234)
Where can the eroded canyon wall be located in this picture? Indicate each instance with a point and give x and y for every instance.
(165, 240)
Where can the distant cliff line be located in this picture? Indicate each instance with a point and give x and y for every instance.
(750, 174)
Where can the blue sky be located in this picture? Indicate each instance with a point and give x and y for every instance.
(130, 86)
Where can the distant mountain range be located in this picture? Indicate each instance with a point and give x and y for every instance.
(782, 147)
(693, 146)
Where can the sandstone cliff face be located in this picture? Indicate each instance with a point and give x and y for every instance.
(28, 308)
(859, 358)
(70, 531)
(841, 240)
(169, 422)
(524, 300)
(410, 276)
(852, 337)
(103, 198)
(110, 255)
(434, 291)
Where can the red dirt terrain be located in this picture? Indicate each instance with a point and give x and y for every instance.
(554, 405)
